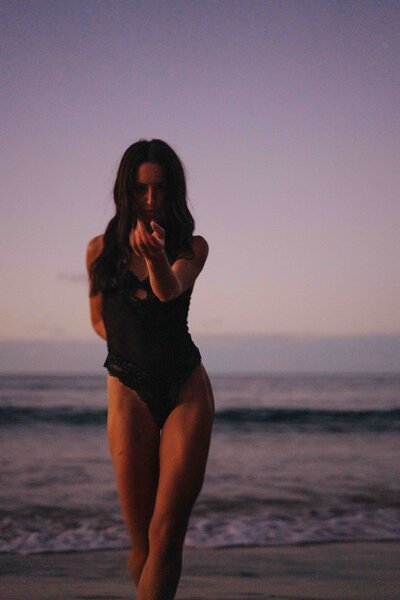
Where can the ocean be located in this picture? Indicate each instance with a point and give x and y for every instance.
(294, 459)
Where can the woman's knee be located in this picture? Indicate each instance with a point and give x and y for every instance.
(136, 561)
(167, 534)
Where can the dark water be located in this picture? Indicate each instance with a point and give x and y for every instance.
(294, 459)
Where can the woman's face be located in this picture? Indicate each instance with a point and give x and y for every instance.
(149, 191)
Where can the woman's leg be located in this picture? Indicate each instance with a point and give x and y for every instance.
(134, 441)
(184, 447)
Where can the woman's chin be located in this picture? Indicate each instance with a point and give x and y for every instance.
(147, 219)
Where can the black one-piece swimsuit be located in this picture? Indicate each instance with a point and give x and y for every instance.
(150, 349)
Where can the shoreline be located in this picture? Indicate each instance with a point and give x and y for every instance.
(307, 571)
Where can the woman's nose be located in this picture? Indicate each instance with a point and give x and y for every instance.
(150, 196)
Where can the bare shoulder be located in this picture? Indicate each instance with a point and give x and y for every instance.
(200, 248)
(94, 247)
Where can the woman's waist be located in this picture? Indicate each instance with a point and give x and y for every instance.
(144, 316)
(154, 360)
(151, 347)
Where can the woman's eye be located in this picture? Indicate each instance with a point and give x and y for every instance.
(141, 189)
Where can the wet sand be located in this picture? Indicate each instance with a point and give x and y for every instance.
(338, 571)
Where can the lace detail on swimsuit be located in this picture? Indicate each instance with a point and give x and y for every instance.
(130, 374)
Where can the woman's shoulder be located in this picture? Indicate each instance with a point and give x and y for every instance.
(96, 243)
(94, 247)
(200, 246)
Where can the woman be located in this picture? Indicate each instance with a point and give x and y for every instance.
(160, 401)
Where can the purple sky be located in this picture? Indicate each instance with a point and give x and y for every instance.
(286, 115)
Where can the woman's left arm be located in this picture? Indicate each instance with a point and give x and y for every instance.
(167, 282)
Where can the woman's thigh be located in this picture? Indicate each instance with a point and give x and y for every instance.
(184, 447)
(134, 441)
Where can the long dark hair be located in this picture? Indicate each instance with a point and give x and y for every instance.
(114, 260)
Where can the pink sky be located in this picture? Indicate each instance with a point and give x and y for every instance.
(286, 116)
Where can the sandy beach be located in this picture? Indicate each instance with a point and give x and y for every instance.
(337, 571)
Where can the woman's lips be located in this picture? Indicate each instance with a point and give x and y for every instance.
(150, 214)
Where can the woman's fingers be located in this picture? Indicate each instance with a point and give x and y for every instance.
(144, 243)
(158, 230)
(136, 242)
(153, 241)
(146, 236)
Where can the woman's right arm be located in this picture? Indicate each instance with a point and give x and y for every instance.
(94, 248)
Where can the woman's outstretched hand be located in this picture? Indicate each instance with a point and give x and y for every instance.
(147, 244)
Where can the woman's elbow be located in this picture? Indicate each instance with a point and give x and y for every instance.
(172, 293)
(99, 328)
